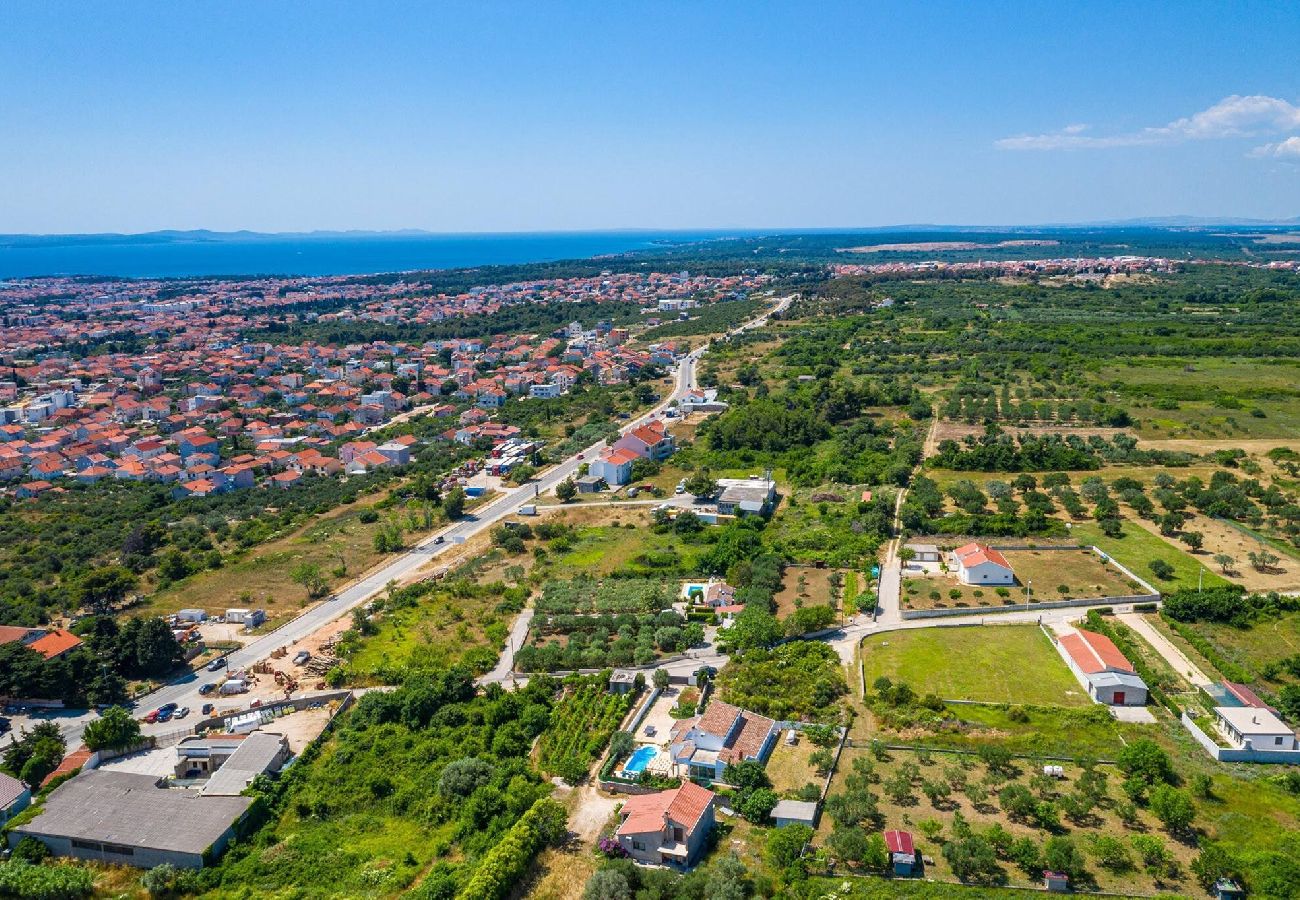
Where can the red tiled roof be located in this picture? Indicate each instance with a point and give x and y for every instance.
(1095, 653)
(55, 643)
(976, 554)
(647, 812)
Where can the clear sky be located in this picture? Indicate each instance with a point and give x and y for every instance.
(533, 115)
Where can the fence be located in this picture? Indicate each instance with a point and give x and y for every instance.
(1227, 754)
(1030, 607)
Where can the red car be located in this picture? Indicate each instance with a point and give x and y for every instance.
(151, 717)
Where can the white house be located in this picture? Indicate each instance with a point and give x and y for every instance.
(981, 564)
(614, 465)
(724, 734)
(1254, 728)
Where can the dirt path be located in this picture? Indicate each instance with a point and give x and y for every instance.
(590, 813)
(1162, 645)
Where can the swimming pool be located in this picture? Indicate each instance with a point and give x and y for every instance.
(640, 759)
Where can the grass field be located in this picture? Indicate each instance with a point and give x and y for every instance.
(337, 540)
(1137, 547)
(996, 664)
(1230, 390)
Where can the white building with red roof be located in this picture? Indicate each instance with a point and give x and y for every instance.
(667, 828)
(1102, 669)
(724, 734)
(980, 564)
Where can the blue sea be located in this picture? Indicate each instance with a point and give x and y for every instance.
(152, 256)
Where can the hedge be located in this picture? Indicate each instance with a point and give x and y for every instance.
(504, 866)
(1229, 669)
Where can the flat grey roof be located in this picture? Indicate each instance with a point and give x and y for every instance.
(795, 809)
(125, 808)
(255, 756)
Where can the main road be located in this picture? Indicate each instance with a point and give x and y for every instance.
(185, 690)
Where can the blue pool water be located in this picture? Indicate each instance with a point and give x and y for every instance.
(640, 759)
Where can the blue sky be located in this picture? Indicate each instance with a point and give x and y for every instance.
(489, 116)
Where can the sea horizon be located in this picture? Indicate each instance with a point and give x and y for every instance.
(202, 253)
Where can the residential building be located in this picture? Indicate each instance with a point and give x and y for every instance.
(614, 465)
(1254, 728)
(14, 797)
(980, 564)
(705, 745)
(667, 828)
(746, 496)
(649, 441)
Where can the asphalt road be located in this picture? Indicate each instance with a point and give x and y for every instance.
(185, 690)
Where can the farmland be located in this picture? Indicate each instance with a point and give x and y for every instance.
(580, 726)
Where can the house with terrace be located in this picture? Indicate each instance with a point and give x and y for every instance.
(667, 828)
(704, 745)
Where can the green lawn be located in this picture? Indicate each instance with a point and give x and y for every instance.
(997, 664)
(1138, 547)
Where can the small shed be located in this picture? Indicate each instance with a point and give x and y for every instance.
(795, 812)
(622, 681)
(1056, 882)
(1227, 889)
(925, 552)
(902, 852)
(589, 484)
(191, 615)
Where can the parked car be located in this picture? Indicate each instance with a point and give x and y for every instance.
(581, 456)
(164, 715)
(182, 712)
(169, 707)
(207, 689)
(4, 725)
(208, 709)
(301, 657)
(439, 539)
(680, 489)
(151, 716)
(217, 664)
(255, 704)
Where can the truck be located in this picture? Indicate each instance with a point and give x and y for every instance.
(528, 509)
(234, 686)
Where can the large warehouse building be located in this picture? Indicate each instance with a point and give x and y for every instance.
(120, 817)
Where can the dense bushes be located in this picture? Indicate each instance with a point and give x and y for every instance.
(24, 881)
(504, 866)
(798, 680)
(370, 810)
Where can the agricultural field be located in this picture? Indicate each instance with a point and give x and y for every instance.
(994, 664)
(583, 623)
(925, 792)
(807, 586)
(1136, 548)
(1045, 572)
(1210, 397)
(580, 727)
